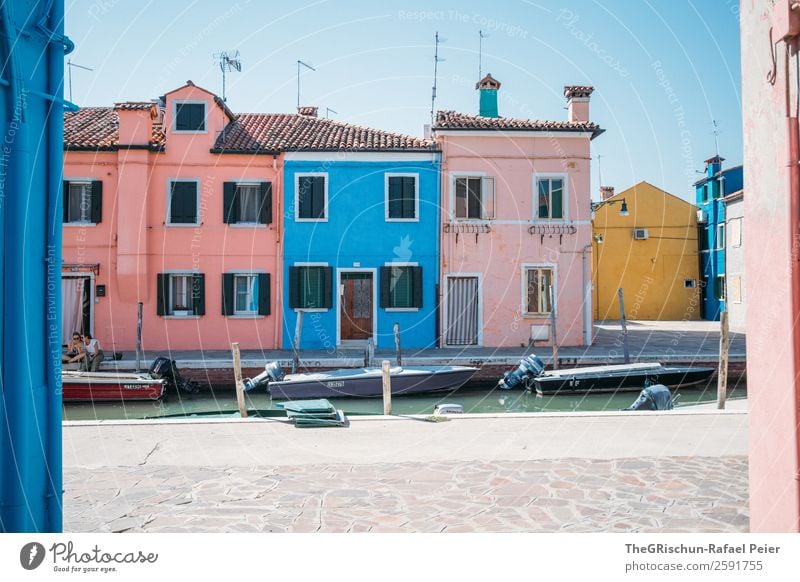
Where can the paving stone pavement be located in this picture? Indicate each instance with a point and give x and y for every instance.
(664, 494)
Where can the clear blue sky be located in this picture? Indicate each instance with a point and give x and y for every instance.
(661, 70)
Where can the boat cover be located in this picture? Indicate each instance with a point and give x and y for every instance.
(655, 397)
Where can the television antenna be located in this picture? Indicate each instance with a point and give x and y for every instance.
(716, 131)
(307, 66)
(70, 66)
(229, 62)
(329, 110)
(481, 36)
(436, 61)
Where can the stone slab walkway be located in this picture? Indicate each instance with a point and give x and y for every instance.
(682, 471)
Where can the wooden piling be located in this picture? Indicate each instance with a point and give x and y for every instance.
(398, 351)
(626, 353)
(553, 329)
(387, 387)
(237, 375)
(138, 336)
(722, 374)
(298, 330)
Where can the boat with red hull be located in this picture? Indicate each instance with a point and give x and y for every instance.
(104, 386)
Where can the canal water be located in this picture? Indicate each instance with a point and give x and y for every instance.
(475, 397)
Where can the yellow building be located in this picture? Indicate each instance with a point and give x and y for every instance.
(650, 252)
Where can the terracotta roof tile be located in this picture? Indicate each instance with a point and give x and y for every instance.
(97, 128)
(458, 121)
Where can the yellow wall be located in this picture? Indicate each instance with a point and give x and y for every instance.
(650, 272)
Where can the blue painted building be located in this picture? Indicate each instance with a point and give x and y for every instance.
(361, 239)
(709, 196)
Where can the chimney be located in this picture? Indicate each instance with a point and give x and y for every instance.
(488, 86)
(135, 119)
(606, 192)
(713, 165)
(308, 111)
(577, 102)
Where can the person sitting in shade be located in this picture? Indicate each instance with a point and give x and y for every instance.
(94, 353)
(76, 352)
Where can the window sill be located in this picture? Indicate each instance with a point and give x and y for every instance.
(311, 219)
(79, 224)
(537, 315)
(189, 131)
(181, 316)
(183, 224)
(248, 225)
(311, 309)
(401, 309)
(246, 316)
(402, 220)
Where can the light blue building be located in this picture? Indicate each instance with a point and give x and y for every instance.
(361, 230)
(709, 195)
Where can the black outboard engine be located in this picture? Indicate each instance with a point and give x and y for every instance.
(272, 373)
(655, 397)
(166, 369)
(528, 369)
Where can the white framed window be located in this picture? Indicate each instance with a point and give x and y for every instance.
(245, 298)
(180, 295)
(539, 283)
(550, 196)
(473, 197)
(735, 232)
(311, 197)
(183, 202)
(402, 197)
(719, 287)
(248, 197)
(720, 236)
(189, 117)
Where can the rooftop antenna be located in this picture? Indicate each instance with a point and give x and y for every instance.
(716, 133)
(329, 110)
(307, 66)
(228, 62)
(599, 170)
(436, 61)
(70, 66)
(481, 36)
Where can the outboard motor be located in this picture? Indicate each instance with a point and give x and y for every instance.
(655, 397)
(166, 369)
(272, 373)
(530, 367)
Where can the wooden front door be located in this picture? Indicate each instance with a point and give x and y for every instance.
(355, 306)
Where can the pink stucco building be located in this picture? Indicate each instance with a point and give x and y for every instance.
(770, 34)
(516, 224)
(155, 213)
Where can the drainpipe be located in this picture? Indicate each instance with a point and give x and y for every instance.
(277, 203)
(55, 165)
(587, 298)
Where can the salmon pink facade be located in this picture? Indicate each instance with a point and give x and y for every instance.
(516, 225)
(156, 213)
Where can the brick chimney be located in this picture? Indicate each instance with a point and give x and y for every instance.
(606, 192)
(135, 122)
(308, 111)
(578, 102)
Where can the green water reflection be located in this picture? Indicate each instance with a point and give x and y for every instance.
(474, 397)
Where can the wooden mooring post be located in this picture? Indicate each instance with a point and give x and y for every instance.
(624, 322)
(298, 330)
(398, 350)
(237, 376)
(722, 374)
(553, 329)
(138, 336)
(387, 387)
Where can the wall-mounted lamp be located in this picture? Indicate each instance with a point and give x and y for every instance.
(623, 210)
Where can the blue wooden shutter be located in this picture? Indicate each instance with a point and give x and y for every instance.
(409, 197)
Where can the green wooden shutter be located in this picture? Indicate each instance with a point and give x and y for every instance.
(295, 296)
(395, 195)
(183, 204)
(199, 294)
(97, 201)
(409, 198)
(266, 203)
(304, 192)
(227, 293)
(385, 287)
(263, 294)
(66, 200)
(229, 209)
(327, 287)
(416, 287)
(161, 293)
(318, 197)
